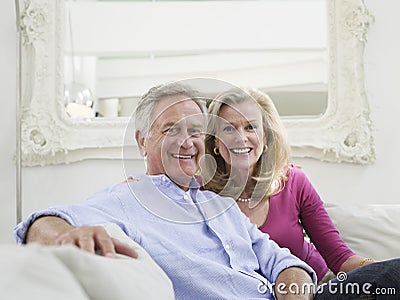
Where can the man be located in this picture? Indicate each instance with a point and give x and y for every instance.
(202, 241)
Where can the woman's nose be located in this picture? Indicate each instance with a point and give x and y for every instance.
(240, 135)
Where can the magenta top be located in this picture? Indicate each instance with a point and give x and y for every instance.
(298, 205)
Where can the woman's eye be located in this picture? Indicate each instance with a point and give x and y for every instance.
(251, 127)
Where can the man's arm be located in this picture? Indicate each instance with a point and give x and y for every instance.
(50, 230)
(294, 283)
(45, 230)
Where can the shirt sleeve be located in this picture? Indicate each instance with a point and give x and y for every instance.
(317, 223)
(102, 207)
(273, 259)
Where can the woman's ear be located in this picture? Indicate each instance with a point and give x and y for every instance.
(141, 142)
(216, 143)
(265, 138)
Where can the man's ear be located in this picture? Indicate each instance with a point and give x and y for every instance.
(141, 142)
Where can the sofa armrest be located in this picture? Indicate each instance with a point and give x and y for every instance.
(67, 272)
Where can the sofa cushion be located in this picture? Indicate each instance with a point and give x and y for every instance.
(369, 230)
(66, 272)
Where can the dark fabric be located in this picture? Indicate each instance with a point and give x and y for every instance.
(378, 281)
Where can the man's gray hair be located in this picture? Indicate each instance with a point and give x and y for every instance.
(144, 111)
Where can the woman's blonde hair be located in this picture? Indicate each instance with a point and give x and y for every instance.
(270, 172)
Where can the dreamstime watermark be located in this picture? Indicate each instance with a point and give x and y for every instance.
(341, 286)
(294, 288)
(338, 287)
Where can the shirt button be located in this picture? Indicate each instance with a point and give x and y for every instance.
(163, 178)
(227, 247)
(186, 197)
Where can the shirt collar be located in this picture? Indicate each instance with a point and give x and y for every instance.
(169, 188)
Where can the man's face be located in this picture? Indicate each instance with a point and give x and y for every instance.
(175, 142)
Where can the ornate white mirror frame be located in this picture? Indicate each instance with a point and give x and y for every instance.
(48, 136)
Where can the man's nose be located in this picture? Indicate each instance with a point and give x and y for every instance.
(185, 140)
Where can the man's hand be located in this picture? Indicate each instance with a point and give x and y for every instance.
(93, 239)
(294, 283)
(56, 231)
(130, 179)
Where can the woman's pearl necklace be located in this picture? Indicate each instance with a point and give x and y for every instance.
(243, 199)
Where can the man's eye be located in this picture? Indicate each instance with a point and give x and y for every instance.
(172, 131)
(194, 132)
(228, 129)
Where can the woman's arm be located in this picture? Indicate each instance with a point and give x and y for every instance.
(354, 262)
(319, 227)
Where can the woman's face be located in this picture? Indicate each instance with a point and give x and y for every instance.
(240, 136)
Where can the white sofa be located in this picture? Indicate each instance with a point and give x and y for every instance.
(65, 273)
(47, 273)
(370, 230)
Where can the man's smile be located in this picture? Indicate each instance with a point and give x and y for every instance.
(182, 156)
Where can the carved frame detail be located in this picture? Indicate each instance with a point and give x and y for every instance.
(342, 134)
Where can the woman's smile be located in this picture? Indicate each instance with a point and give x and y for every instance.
(241, 151)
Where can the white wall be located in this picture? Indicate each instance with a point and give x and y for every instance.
(341, 183)
(376, 183)
(7, 118)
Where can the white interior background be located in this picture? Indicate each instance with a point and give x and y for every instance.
(336, 183)
(133, 45)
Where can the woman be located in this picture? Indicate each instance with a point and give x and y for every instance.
(252, 164)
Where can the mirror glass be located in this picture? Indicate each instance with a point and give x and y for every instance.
(116, 50)
(97, 57)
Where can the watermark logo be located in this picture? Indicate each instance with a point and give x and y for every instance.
(341, 276)
(339, 286)
(342, 286)
(294, 288)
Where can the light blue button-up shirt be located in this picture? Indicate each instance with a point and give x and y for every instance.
(203, 242)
